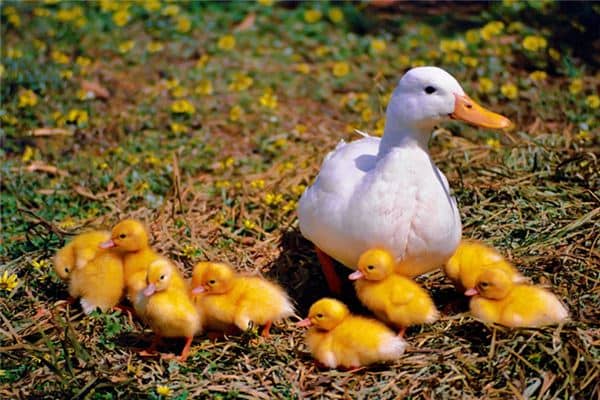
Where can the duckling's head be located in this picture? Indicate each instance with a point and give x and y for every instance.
(325, 314)
(128, 235)
(212, 278)
(374, 265)
(158, 276)
(425, 96)
(64, 261)
(492, 284)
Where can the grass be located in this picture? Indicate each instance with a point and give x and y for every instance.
(221, 182)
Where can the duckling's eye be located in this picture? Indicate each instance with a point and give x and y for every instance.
(370, 267)
(212, 282)
(162, 277)
(430, 89)
(66, 269)
(319, 315)
(122, 236)
(484, 284)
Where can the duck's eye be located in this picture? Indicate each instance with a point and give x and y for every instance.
(67, 269)
(319, 315)
(430, 89)
(122, 236)
(484, 284)
(162, 277)
(370, 267)
(212, 282)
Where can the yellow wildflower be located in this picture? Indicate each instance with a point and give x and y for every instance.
(40, 264)
(39, 45)
(171, 10)
(378, 46)
(226, 42)
(266, 3)
(303, 68)
(575, 86)
(189, 250)
(67, 223)
(27, 154)
(312, 16)
(13, 53)
(69, 14)
(366, 115)
(534, 43)
(240, 82)
(592, 101)
(470, 61)
(403, 60)
(583, 135)
(178, 128)
(510, 91)
(335, 14)
(235, 113)
(27, 98)
(493, 143)
(248, 224)
(257, 184)
(66, 74)
(121, 17)
(272, 199)
(152, 5)
(9, 119)
(289, 206)
(109, 5)
(183, 24)
(340, 69)
(448, 46)
(202, 61)
(538, 76)
(268, 99)
(491, 29)
(472, 36)
(83, 62)
(126, 46)
(321, 51)
(171, 83)
(178, 92)
(77, 116)
(41, 12)
(222, 184)
(183, 107)
(452, 58)
(8, 282)
(516, 26)
(298, 189)
(163, 390)
(486, 85)
(422, 63)
(554, 54)
(2, 70)
(204, 88)
(300, 128)
(59, 57)
(152, 160)
(154, 47)
(14, 20)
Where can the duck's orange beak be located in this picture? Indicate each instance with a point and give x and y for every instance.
(108, 244)
(305, 323)
(471, 292)
(198, 290)
(149, 290)
(465, 109)
(356, 275)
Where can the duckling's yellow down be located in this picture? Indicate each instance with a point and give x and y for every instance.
(78, 252)
(337, 338)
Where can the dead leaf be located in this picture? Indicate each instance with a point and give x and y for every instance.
(43, 167)
(85, 192)
(96, 88)
(51, 132)
(247, 23)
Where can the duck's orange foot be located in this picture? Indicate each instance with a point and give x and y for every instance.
(401, 332)
(266, 332)
(147, 353)
(333, 280)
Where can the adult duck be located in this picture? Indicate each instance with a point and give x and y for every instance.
(387, 193)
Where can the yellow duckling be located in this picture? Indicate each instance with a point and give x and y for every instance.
(470, 259)
(99, 283)
(227, 298)
(78, 252)
(393, 298)
(168, 309)
(339, 338)
(130, 238)
(498, 299)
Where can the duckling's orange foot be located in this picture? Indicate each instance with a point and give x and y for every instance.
(168, 356)
(333, 280)
(266, 332)
(401, 332)
(147, 353)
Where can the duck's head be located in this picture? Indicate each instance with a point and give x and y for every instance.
(425, 96)
(374, 265)
(325, 314)
(158, 276)
(128, 235)
(209, 277)
(492, 284)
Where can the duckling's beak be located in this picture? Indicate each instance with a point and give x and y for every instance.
(108, 244)
(198, 290)
(305, 323)
(471, 292)
(356, 275)
(465, 109)
(149, 290)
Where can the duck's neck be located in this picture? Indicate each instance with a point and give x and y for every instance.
(399, 135)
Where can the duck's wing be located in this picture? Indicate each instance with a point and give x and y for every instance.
(342, 170)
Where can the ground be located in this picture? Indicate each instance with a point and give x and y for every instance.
(207, 120)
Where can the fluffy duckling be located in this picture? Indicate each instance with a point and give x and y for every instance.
(99, 283)
(78, 252)
(471, 259)
(393, 298)
(227, 298)
(498, 299)
(339, 338)
(130, 238)
(168, 308)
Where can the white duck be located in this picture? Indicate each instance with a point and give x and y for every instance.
(388, 193)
